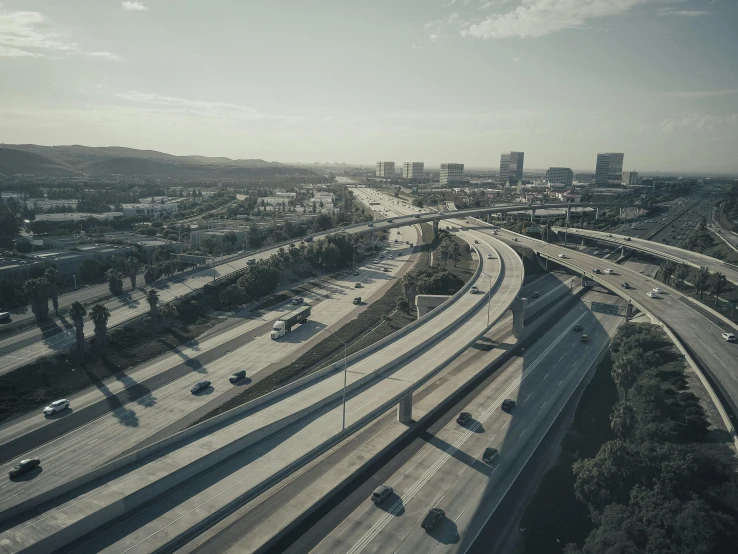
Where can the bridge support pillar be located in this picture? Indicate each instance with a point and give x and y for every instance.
(435, 227)
(405, 409)
(597, 213)
(532, 215)
(518, 310)
(629, 311)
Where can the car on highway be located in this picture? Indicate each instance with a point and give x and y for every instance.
(390, 220)
(584, 338)
(417, 216)
(490, 257)
(657, 290)
(24, 466)
(357, 300)
(625, 284)
(578, 328)
(608, 236)
(376, 260)
(473, 289)
(236, 376)
(476, 241)
(4, 316)
(370, 224)
(652, 294)
(515, 239)
(433, 518)
(609, 272)
(464, 418)
(356, 272)
(385, 269)
(297, 300)
(507, 404)
(730, 337)
(562, 255)
(56, 406)
(535, 294)
(597, 271)
(357, 285)
(199, 386)
(381, 255)
(490, 455)
(381, 493)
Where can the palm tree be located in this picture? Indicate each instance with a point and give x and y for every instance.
(622, 419)
(52, 275)
(719, 282)
(132, 268)
(37, 291)
(625, 370)
(168, 313)
(681, 272)
(153, 299)
(78, 313)
(455, 251)
(150, 274)
(667, 270)
(703, 279)
(100, 316)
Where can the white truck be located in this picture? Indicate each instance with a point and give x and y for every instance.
(285, 324)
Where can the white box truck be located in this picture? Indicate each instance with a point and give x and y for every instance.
(285, 324)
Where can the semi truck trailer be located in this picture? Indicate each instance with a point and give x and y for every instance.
(285, 324)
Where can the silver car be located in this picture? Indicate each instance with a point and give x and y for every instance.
(56, 406)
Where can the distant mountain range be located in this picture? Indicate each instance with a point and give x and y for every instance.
(87, 161)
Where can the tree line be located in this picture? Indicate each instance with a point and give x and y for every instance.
(666, 483)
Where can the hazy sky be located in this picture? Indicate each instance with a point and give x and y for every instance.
(363, 80)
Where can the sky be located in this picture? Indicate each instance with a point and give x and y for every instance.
(358, 81)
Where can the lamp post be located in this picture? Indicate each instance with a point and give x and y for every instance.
(489, 294)
(345, 351)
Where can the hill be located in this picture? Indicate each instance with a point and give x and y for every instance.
(77, 160)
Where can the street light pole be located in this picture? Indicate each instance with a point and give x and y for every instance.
(345, 356)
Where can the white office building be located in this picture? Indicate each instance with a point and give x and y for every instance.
(451, 173)
(386, 170)
(631, 178)
(560, 176)
(413, 170)
(511, 166)
(609, 169)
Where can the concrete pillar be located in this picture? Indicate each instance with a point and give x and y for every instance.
(597, 213)
(583, 279)
(629, 311)
(532, 215)
(435, 227)
(405, 409)
(518, 310)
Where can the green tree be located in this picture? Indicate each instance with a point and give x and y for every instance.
(402, 304)
(667, 270)
(78, 312)
(100, 316)
(132, 265)
(52, 275)
(168, 313)
(719, 282)
(680, 274)
(37, 292)
(702, 280)
(115, 281)
(153, 299)
(623, 419)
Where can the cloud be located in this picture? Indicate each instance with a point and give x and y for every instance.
(697, 122)
(537, 18)
(213, 110)
(134, 6)
(683, 13)
(516, 59)
(700, 93)
(105, 55)
(416, 47)
(22, 34)
(433, 37)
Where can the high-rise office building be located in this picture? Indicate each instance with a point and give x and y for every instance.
(585, 178)
(413, 170)
(451, 173)
(609, 169)
(631, 178)
(560, 175)
(511, 166)
(386, 170)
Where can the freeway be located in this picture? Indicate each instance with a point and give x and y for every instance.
(109, 420)
(448, 472)
(375, 382)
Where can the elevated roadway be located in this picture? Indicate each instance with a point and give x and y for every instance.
(375, 382)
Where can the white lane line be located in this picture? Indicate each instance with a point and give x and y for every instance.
(8, 498)
(546, 375)
(460, 514)
(439, 501)
(542, 405)
(560, 383)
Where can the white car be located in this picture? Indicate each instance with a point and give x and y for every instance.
(609, 272)
(730, 337)
(651, 294)
(473, 289)
(562, 255)
(489, 257)
(657, 290)
(56, 406)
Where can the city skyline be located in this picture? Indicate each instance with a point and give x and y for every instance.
(190, 81)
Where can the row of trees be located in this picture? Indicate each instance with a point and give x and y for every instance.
(703, 279)
(663, 485)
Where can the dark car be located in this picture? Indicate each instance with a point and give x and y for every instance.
(508, 404)
(381, 493)
(385, 269)
(464, 418)
(490, 455)
(357, 300)
(357, 285)
(585, 338)
(297, 300)
(628, 238)
(199, 386)
(535, 295)
(578, 328)
(389, 221)
(433, 518)
(417, 216)
(625, 285)
(24, 466)
(237, 376)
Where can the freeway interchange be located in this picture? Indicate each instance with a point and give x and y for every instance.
(215, 473)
